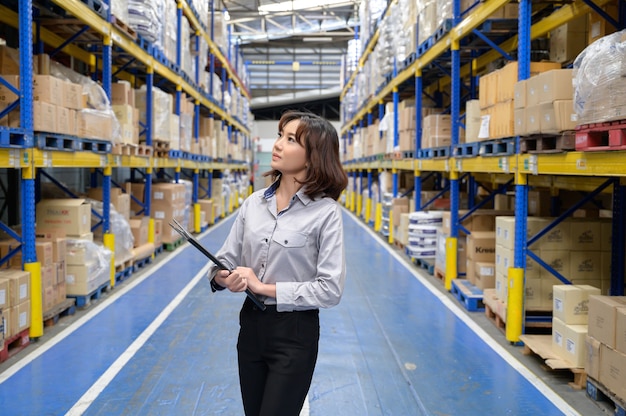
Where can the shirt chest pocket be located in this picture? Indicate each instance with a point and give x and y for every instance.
(290, 239)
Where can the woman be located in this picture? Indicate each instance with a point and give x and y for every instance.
(286, 246)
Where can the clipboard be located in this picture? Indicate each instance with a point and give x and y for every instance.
(185, 234)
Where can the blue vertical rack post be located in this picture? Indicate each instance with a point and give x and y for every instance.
(368, 201)
(455, 107)
(515, 278)
(148, 175)
(29, 254)
(417, 180)
(108, 238)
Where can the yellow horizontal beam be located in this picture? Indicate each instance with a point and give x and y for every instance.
(127, 161)
(403, 164)
(212, 46)
(433, 165)
(561, 16)
(60, 159)
(15, 158)
(82, 12)
(11, 18)
(477, 16)
(575, 163)
(495, 164)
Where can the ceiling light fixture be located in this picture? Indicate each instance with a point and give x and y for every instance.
(317, 39)
(291, 5)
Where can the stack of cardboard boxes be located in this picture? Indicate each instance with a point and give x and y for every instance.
(606, 343)
(496, 98)
(61, 219)
(569, 322)
(544, 103)
(59, 106)
(579, 249)
(14, 302)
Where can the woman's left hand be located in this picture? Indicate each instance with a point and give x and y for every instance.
(254, 284)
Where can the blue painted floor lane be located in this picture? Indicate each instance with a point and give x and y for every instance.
(53, 382)
(391, 347)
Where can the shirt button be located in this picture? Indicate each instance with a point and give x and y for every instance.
(263, 266)
(286, 241)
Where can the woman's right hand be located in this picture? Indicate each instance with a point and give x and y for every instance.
(234, 281)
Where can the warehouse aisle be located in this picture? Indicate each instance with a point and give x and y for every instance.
(166, 345)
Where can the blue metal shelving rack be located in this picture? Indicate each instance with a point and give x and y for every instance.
(518, 165)
(30, 158)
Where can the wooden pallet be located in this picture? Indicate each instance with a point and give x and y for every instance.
(15, 344)
(123, 270)
(127, 30)
(141, 263)
(439, 274)
(610, 135)
(537, 322)
(549, 143)
(541, 345)
(499, 147)
(65, 308)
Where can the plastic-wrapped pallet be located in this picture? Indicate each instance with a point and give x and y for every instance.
(120, 227)
(387, 203)
(424, 226)
(145, 17)
(88, 266)
(599, 80)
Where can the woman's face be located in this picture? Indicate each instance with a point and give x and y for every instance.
(288, 156)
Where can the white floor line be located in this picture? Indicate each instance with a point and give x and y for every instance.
(5, 375)
(92, 394)
(542, 387)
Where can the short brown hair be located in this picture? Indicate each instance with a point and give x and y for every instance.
(319, 138)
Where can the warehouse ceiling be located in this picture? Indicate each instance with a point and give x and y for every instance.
(293, 50)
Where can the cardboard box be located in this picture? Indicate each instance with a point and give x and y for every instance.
(574, 344)
(94, 124)
(64, 123)
(565, 45)
(558, 238)
(48, 89)
(45, 253)
(519, 116)
(484, 275)
(598, 26)
(613, 370)
(9, 60)
(571, 303)
(585, 235)
(19, 286)
(82, 279)
(533, 119)
(73, 215)
(603, 317)
(122, 93)
(555, 85)
(592, 362)
(505, 230)
(585, 265)
(559, 260)
(4, 293)
(519, 94)
(206, 205)
(481, 246)
(557, 117)
(72, 96)
(139, 227)
(558, 336)
(620, 330)
(21, 316)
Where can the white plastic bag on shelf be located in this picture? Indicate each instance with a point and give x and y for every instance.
(96, 257)
(120, 227)
(599, 82)
(97, 120)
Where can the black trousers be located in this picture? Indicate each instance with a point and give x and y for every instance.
(277, 352)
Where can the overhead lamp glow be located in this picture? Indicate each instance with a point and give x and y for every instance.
(291, 5)
(317, 39)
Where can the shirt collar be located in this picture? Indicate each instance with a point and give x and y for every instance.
(271, 191)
